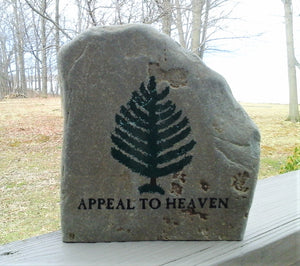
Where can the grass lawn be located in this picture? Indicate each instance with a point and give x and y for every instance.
(30, 154)
(278, 137)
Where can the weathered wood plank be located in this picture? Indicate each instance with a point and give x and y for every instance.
(271, 238)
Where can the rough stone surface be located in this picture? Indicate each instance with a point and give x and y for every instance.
(151, 163)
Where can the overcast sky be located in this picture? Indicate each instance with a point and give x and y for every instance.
(257, 69)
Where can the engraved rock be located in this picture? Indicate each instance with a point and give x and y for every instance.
(155, 146)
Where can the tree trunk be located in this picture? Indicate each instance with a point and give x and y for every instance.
(11, 79)
(37, 74)
(167, 17)
(44, 51)
(37, 69)
(204, 29)
(179, 24)
(197, 6)
(91, 11)
(4, 69)
(51, 80)
(17, 69)
(293, 97)
(79, 16)
(22, 86)
(57, 28)
(57, 44)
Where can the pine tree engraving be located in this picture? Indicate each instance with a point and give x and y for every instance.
(147, 129)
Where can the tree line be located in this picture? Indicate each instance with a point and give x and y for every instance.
(32, 32)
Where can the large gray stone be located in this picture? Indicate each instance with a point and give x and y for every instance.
(206, 179)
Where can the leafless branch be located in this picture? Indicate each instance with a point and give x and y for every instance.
(91, 12)
(48, 18)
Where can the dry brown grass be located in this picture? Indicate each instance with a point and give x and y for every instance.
(278, 136)
(30, 150)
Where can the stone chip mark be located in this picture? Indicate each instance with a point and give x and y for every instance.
(177, 185)
(176, 188)
(191, 211)
(121, 229)
(239, 181)
(177, 77)
(71, 236)
(169, 221)
(180, 176)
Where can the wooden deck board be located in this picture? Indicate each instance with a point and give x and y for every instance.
(271, 238)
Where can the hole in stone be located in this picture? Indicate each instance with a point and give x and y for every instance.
(180, 176)
(203, 215)
(71, 236)
(204, 185)
(176, 188)
(182, 179)
(191, 211)
(239, 181)
(246, 174)
(167, 220)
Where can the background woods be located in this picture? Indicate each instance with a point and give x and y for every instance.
(32, 31)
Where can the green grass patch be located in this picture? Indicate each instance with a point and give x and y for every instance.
(42, 138)
(292, 163)
(15, 185)
(28, 214)
(269, 167)
(15, 143)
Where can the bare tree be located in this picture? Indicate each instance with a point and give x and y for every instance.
(57, 39)
(79, 17)
(46, 17)
(198, 22)
(37, 28)
(167, 16)
(57, 28)
(204, 36)
(292, 62)
(19, 34)
(35, 51)
(197, 6)
(5, 60)
(44, 47)
(6, 53)
(91, 9)
(179, 26)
